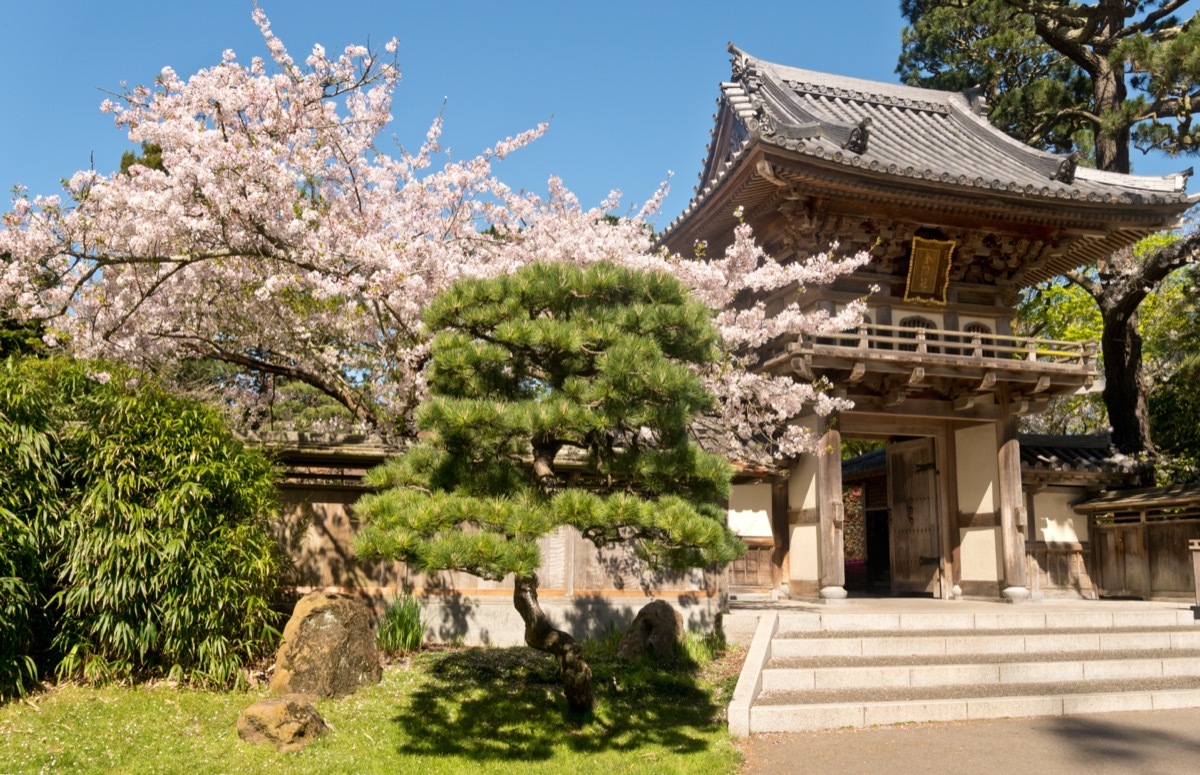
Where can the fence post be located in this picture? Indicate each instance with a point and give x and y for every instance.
(1194, 546)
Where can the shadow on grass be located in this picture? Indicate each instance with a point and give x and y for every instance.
(507, 704)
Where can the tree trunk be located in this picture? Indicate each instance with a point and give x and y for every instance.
(541, 635)
(1124, 388)
(1108, 95)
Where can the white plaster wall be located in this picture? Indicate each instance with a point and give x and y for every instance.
(802, 483)
(804, 558)
(980, 553)
(977, 468)
(1055, 520)
(750, 510)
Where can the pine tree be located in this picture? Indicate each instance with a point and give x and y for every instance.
(557, 362)
(1095, 78)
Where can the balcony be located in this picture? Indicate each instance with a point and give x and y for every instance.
(895, 362)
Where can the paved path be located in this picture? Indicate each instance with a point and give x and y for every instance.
(1142, 743)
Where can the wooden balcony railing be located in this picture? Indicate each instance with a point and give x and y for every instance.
(977, 347)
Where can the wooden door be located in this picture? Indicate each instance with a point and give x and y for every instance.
(914, 517)
(1122, 560)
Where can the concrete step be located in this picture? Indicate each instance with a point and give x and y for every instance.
(953, 642)
(1091, 666)
(793, 712)
(1004, 620)
(820, 671)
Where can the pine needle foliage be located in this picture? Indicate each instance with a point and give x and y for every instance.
(557, 362)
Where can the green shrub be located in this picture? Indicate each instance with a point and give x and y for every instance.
(29, 498)
(158, 555)
(401, 629)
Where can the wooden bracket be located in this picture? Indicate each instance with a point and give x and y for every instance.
(963, 403)
(1043, 384)
(858, 371)
(802, 366)
(987, 383)
(917, 376)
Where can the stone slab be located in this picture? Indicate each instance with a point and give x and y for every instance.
(954, 675)
(1106, 703)
(799, 718)
(1013, 707)
(915, 712)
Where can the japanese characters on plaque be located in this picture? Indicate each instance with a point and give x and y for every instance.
(929, 271)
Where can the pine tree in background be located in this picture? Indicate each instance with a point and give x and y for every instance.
(1095, 78)
(594, 365)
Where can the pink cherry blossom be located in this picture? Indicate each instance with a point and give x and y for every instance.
(287, 235)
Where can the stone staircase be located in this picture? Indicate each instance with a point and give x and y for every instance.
(822, 670)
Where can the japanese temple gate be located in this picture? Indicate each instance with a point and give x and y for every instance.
(958, 218)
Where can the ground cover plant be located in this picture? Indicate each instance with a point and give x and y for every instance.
(135, 531)
(440, 711)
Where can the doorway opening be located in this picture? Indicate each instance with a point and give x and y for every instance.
(893, 521)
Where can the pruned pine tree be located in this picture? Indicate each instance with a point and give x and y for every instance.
(556, 362)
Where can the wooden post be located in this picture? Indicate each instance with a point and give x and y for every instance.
(1012, 503)
(1194, 546)
(831, 513)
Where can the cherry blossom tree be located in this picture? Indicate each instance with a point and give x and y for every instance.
(284, 233)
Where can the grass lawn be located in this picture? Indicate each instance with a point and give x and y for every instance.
(441, 711)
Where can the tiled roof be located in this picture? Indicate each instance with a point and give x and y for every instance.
(1078, 454)
(919, 134)
(1058, 454)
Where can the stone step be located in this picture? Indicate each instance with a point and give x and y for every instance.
(916, 660)
(877, 644)
(875, 677)
(1004, 620)
(793, 712)
(819, 671)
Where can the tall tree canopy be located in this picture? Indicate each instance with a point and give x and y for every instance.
(1095, 78)
(595, 366)
(270, 225)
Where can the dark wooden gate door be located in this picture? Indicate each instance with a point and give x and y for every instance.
(913, 516)
(1122, 559)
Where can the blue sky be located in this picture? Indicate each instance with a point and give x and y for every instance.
(629, 88)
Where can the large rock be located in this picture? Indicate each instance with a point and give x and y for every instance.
(657, 629)
(328, 648)
(289, 722)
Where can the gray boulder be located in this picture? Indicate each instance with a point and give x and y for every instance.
(289, 722)
(328, 648)
(657, 629)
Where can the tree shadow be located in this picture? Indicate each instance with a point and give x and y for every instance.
(1109, 742)
(507, 705)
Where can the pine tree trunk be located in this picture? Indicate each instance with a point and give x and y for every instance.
(541, 635)
(1124, 389)
(1108, 94)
